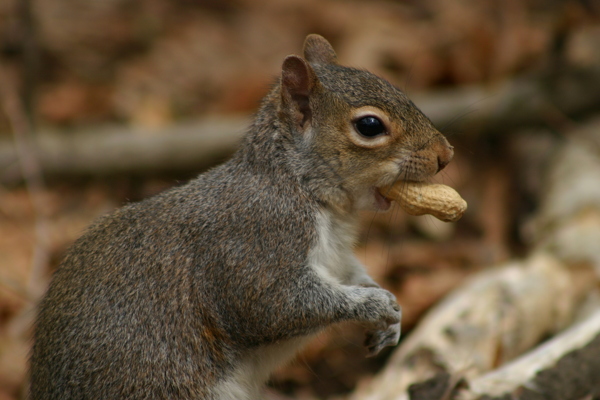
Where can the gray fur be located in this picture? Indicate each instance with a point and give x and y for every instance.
(199, 292)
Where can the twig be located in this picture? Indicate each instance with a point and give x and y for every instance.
(30, 168)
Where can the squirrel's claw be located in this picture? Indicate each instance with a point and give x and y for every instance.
(376, 341)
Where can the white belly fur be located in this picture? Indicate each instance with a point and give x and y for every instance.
(248, 379)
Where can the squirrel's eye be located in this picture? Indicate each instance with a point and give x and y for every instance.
(370, 127)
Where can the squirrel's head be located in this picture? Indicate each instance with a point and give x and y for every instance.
(365, 130)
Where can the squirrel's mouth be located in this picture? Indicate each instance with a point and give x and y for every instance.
(381, 202)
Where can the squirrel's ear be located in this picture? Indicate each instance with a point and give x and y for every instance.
(298, 81)
(318, 50)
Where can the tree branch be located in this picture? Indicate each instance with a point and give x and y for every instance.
(196, 145)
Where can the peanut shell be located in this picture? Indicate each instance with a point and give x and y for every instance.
(419, 198)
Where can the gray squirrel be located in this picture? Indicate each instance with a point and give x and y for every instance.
(201, 291)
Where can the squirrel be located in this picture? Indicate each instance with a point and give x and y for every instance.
(201, 291)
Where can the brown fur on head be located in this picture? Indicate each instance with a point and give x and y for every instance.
(326, 103)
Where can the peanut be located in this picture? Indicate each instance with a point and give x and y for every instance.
(418, 198)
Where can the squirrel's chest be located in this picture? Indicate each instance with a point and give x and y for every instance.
(331, 255)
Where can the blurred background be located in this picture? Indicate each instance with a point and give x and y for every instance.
(107, 102)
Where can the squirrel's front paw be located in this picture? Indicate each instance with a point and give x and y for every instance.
(377, 340)
(378, 308)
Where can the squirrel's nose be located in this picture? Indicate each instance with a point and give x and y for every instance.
(445, 154)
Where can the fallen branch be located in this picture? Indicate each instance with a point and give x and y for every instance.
(190, 146)
(574, 354)
(196, 145)
(492, 319)
(514, 104)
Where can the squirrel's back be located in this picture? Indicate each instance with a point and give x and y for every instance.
(151, 273)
